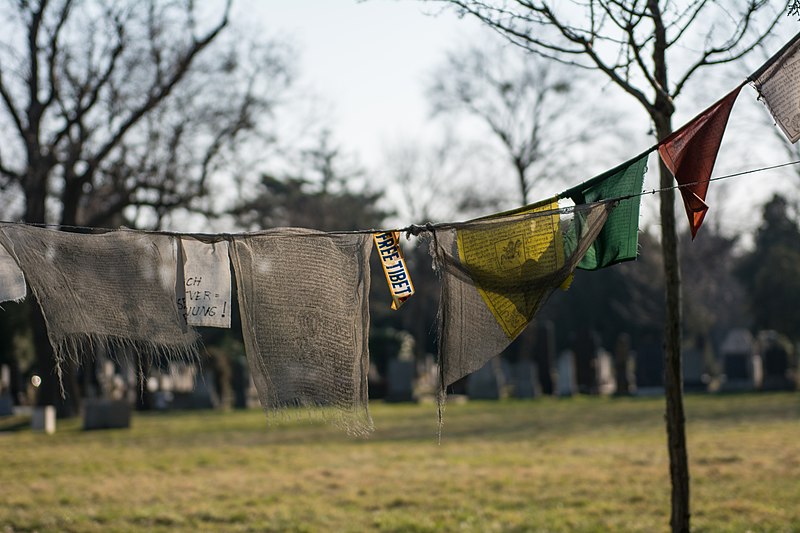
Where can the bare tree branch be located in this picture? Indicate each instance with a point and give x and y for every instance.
(158, 92)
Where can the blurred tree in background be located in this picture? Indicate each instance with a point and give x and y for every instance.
(771, 272)
(121, 112)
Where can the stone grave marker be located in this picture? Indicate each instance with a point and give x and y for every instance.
(101, 413)
(400, 380)
(776, 355)
(695, 373)
(741, 367)
(525, 379)
(585, 349)
(488, 382)
(624, 364)
(545, 356)
(44, 419)
(565, 383)
(650, 367)
(606, 382)
(6, 402)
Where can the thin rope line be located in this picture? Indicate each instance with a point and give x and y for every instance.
(718, 178)
(412, 229)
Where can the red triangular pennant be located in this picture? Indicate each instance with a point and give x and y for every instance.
(690, 153)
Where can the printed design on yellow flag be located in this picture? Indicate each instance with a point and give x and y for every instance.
(501, 260)
(394, 267)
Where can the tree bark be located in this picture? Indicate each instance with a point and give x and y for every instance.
(673, 375)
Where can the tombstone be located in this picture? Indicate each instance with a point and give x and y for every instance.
(200, 394)
(240, 379)
(585, 349)
(525, 379)
(545, 356)
(741, 367)
(565, 383)
(44, 419)
(650, 367)
(99, 413)
(623, 365)
(487, 383)
(776, 359)
(695, 376)
(400, 381)
(6, 404)
(606, 382)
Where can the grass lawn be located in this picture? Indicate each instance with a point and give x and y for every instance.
(582, 464)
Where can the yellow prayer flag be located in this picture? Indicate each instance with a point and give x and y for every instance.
(504, 259)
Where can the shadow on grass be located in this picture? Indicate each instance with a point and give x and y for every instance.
(14, 423)
(510, 420)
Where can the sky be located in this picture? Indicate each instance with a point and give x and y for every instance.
(367, 63)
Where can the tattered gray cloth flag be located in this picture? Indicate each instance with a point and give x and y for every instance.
(303, 297)
(778, 86)
(496, 274)
(206, 279)
(114, 291)
(12, 280)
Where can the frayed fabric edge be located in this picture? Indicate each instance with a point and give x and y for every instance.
(78, 348)
(356, 421)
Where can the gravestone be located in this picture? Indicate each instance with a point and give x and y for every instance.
(545, 356)
(200, 395)
(606, 383)
(565, 384)
(525, 379)
(240, 380)
(741, 367)
(776, 359)
(44, 419)
(624, 364)
(487, 383)
(400, 380)
(6, 402)
(650, 367)
(585, 350)
(101, 413)
(695, 374)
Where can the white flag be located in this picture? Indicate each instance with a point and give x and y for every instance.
(12, 280)
(778, 86)
(206, 298)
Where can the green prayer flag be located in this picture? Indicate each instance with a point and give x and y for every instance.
(619, 239)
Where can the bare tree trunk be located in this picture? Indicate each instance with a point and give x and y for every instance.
(673, 375)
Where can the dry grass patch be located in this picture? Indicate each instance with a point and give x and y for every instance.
(584, 464)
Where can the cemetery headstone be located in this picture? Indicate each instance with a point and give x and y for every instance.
(6, 403)
(695, 375)
(741, 367)
(525, 379)
(44, 419)
(488, 382)
(400, 381)
(650, 367)
(606, 382)
(565, 384)
(585, 349)
(200, 395)
(545, 355)
(99, 413)
(623, 365)
(776, 359)
(240, 378)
